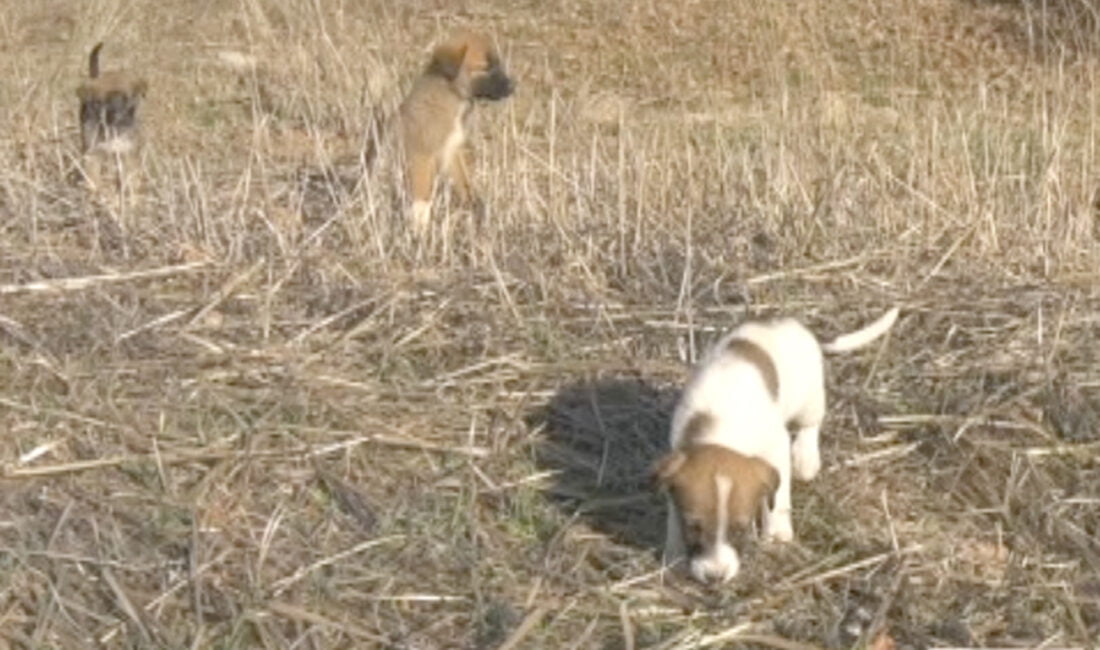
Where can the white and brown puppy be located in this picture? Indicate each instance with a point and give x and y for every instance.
(732, 453)
(435, 115)
(109, 108)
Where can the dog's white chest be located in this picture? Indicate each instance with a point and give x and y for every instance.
(454, 140)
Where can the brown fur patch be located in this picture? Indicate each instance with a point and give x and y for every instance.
(465, 51)
(756, 355)
(690, 477)
(697, 425)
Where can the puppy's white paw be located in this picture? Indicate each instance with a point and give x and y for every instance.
(805, 458)
(778, 527)
(806, 465)
(420, 217)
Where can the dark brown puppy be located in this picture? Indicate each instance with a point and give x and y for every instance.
(108, 108)
(435, 114)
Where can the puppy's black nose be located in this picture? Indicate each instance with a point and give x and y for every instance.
(495, 85)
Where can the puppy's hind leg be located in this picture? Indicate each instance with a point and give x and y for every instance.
(805, 454)
(806, 426)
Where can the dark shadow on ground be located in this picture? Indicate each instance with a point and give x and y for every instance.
(1052, 29)
(601, 437)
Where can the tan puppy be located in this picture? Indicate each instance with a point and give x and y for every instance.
(435, 114)
(731, 454)
(108, 108)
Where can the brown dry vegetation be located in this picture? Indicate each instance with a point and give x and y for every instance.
(309, 433)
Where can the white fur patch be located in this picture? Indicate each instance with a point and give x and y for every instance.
(116, 145)
(454, 141)
(238, 61)
(805, 456)
(720, 563)
(777, 525)
(420, 216)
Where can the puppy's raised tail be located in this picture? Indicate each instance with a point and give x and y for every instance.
(862, 337)
(93, 60)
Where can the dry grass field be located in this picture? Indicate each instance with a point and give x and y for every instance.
(240, 407)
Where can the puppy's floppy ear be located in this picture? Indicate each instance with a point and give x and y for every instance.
(768, 478)
(668, 466)
(447, 59)
(759, 498)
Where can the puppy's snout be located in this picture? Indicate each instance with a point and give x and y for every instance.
(719, 566)
(495, 85)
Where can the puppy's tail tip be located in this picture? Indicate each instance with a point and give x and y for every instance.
(93, 60)
(862, 337)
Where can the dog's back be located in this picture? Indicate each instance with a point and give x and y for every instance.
(740, 381)
(797, 357)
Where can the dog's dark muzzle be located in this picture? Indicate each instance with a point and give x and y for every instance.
(495, 85)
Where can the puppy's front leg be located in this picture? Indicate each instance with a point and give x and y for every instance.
(674, 552)
(460, 176)
(777, 523)
(421, 178)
